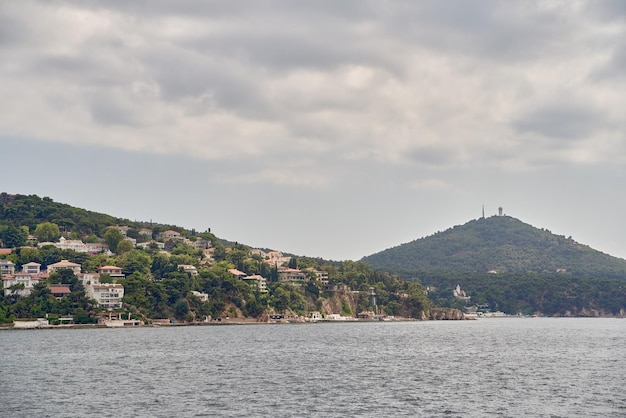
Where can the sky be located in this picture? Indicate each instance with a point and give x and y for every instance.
(323, 128)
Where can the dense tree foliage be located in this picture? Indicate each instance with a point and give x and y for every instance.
(498, 243)
(553, 294)
(157, 286)
(47, 232)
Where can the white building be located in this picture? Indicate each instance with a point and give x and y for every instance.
(20, 278)
(6, 267)
(202, 296)
(64, 265)
(107, 295)
(122, 228)
(72, 244)
(96, 247)
(320, 275)
(258, 282)
(290, 275)
(113, 271)
(144, 245)
(276, 258)
(169, 234)
(88, 278)
(188, 268)
(31, 268)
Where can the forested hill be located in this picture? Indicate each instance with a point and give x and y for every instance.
(29, 211)
(499, 244)
(32, 210)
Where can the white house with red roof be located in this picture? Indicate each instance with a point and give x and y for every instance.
(25, 279)
(113, 271)
(31, 268)
(59, 291)
(170, 234)
(107, 295)
(257, 281)
(6, 267)
(64, 265)
(290, 275)
(71, 244)
(122, 228)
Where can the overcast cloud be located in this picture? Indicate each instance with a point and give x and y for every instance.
(324, 128)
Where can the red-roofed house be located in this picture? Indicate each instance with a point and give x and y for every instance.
(122, 228)
(31, 268)
(258, 282)
(169, 234)
(113, 271)
(239, 274)
(6, 267)
(290, 275)
(108, 295)
(20, 278)
(64, 265)
(59, 290)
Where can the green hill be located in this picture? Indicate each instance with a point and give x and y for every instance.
(188, 280)
(32, 210)
(499, 244)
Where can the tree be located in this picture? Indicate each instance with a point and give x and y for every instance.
(113, 237)
(28, 254)
(13, 236)
(135, 261)
(124, 246)
(181, 308)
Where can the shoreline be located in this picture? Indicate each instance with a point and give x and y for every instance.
(11, 327)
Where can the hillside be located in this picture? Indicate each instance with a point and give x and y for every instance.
(499, 244)
(167, 272)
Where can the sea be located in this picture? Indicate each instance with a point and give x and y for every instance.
(500, 367)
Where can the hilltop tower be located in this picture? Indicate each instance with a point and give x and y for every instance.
(500, 211)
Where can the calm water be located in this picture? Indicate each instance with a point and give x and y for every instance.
(489, 367)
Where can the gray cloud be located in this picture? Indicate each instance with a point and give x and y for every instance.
(565, 121)
(438, 84)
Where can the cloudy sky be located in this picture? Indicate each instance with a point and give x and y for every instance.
(331, 129)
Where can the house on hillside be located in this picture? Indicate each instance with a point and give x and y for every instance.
(96, 247)
(6, 267)
(459, 293)
(144, 245)
(113, 271)
(107, 295)
(145, 232)
(31, 268)
(122, 228)
(88, 278)
(169, 234)
(239, 274)
(27, 280)
(64, 265)
(290, 275)
(202, 296)
(276, 258)
(188, 268)
(257, 282)
(71, 244)
(320, 275)
(59, 291)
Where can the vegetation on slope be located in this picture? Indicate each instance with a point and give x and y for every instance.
(156, 287)
(532, 270)
(499, 243)
(533, 294)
